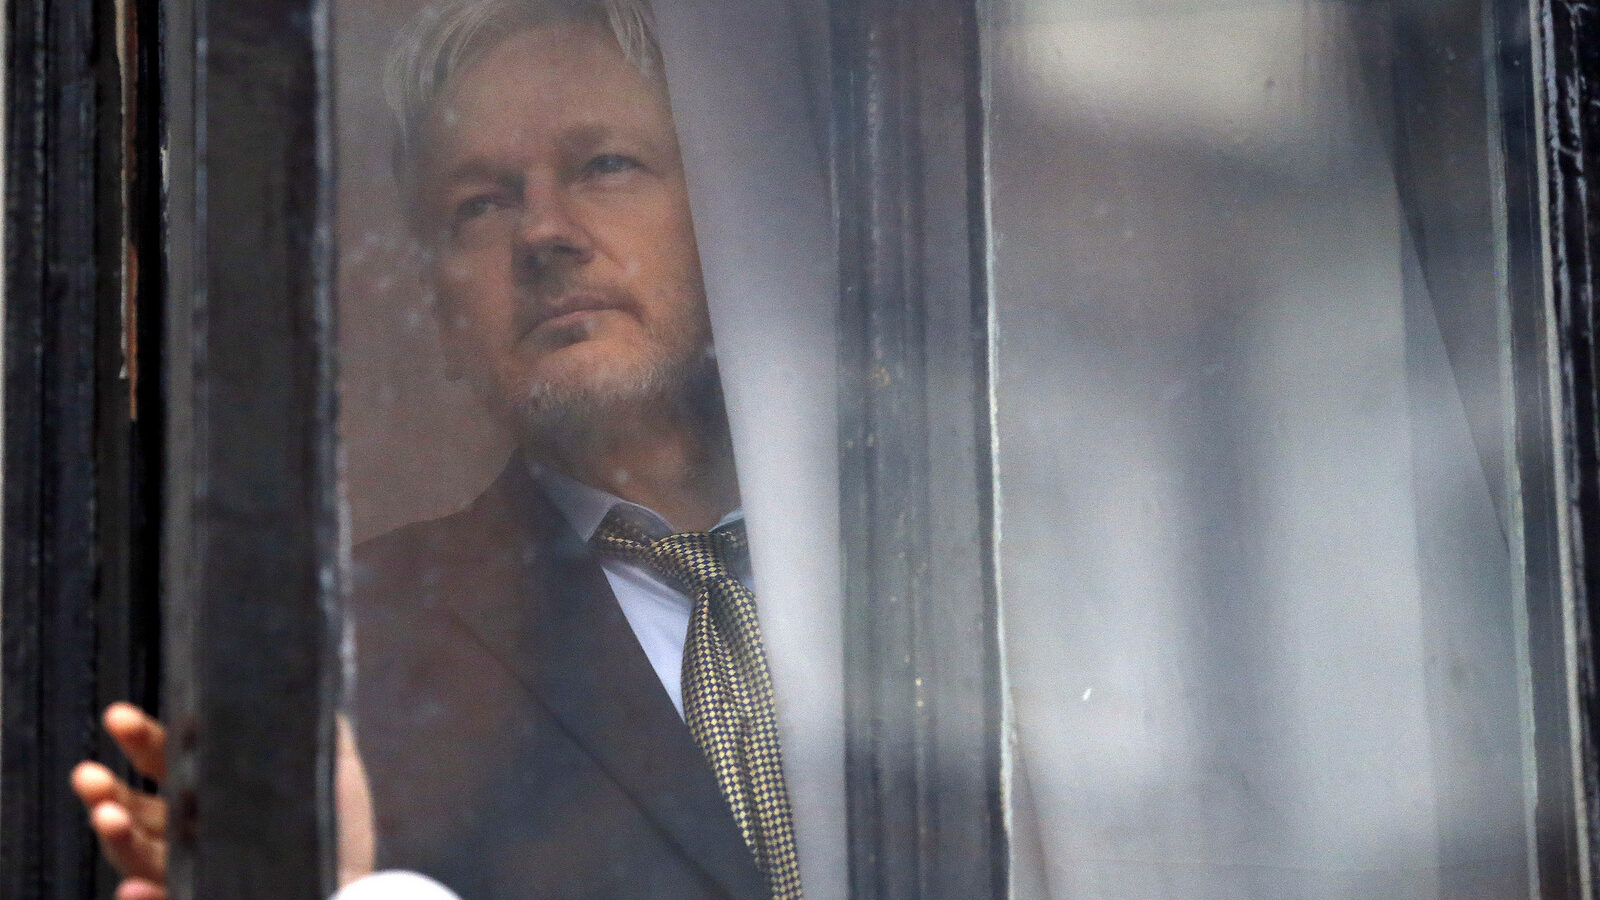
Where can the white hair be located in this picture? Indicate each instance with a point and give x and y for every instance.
(447, 37)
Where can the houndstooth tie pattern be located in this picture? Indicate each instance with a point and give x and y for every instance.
(727, 690)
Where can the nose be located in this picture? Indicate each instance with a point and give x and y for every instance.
(550, 235)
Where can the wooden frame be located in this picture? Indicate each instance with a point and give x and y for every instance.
(81, 620)
(1568, 40)
(251, 545)
(922, 666)
(1435, 100)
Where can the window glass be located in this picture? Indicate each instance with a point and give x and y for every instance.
(1261, 568)
(546, 210)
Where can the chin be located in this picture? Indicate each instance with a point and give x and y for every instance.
(592, 370)
(586, 396)
(580, 400)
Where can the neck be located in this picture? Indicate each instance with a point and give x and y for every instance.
(668, 461)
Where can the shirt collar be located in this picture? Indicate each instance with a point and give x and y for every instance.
(584, 507)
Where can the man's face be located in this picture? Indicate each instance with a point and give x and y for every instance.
(562, 250)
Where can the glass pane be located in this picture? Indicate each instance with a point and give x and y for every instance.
(546, 210)
(1261, 559)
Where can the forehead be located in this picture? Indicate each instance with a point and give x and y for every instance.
(542, 86)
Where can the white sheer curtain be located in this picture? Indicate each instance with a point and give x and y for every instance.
(1259, 603)
(746, 115)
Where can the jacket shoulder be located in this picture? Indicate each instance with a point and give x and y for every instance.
(415, 561)
(395, 565)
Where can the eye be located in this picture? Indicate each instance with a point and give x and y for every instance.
(473, 207)
(611, 164)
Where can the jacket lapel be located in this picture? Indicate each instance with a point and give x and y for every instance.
(571, 647)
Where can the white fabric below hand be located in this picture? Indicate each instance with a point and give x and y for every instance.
(395, 886)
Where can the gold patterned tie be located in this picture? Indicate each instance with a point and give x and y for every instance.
(727, 690)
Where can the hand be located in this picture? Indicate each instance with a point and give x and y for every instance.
(131, 825)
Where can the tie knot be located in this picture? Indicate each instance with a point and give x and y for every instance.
(694, 559)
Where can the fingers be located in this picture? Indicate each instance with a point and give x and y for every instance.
(141, 738)
(134, 851)
(96, 785)
(130, 825)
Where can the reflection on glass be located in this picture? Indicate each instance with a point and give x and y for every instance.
(1253, 386)
(561, 683)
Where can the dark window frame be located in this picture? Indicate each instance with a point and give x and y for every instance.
(922, 653)
(81, 617)
(250, 548)
(1568, 40)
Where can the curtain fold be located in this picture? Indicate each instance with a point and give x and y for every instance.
(742, 75)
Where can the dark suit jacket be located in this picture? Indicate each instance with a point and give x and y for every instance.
(518, 743)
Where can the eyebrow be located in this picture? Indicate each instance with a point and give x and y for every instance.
(478, 170)
(577, 140)
(584, 138)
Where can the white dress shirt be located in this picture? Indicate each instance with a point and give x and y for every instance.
(657, 611)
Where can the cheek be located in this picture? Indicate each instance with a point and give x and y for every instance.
(460, 274)
(682, 293)
(656, 239)
(673, 258)
(469, 295)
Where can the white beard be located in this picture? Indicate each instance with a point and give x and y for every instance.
(572, 416)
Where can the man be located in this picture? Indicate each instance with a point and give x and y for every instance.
(527, 667)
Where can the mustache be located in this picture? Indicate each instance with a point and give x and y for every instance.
(538, 304)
